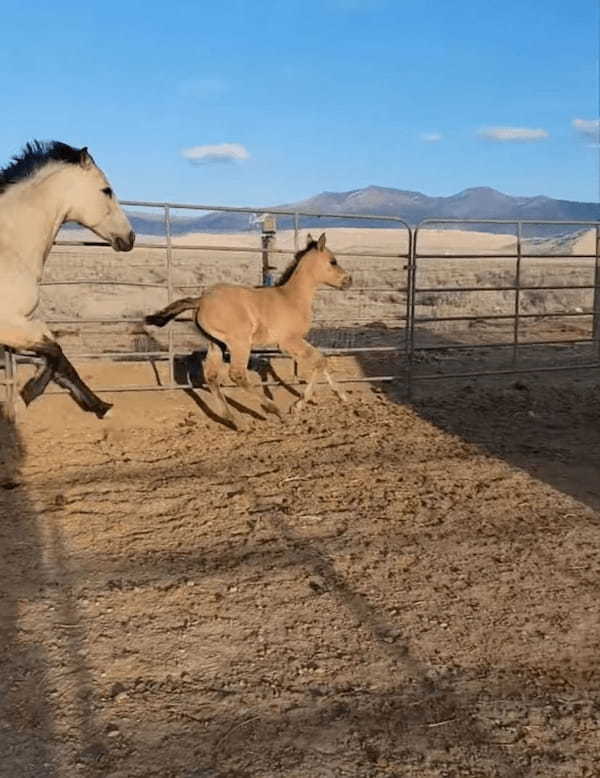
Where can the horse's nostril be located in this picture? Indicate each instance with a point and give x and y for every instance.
(124, 244)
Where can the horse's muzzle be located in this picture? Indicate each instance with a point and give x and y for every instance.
(346, 283)
(124, 244)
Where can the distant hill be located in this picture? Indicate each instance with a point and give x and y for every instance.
(474, 203)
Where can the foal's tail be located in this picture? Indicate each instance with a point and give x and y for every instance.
(164, 316)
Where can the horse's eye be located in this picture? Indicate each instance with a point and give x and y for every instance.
(333, 262)
(108, 191)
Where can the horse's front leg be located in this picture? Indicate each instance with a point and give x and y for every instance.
(65, 375)
(37, 384)
(22, 334)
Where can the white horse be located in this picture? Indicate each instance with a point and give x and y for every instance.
(43, 187)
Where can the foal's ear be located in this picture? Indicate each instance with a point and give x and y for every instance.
(309, 240)
(321, 242)
(85, 158)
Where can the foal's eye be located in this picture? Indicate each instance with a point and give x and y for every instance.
(333, 261)
(108, 191)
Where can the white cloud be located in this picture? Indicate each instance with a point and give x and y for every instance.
(588, 129)
(431, 137)
(222, 152)
(513, 134)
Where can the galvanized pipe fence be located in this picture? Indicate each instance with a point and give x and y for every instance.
(410, 259)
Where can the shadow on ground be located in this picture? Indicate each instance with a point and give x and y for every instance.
(46, 689)
(26, 716)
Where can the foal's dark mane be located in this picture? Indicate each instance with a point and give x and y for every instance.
(33, 157)
(289, 271)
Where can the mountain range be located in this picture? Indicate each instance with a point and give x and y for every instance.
(412, 207)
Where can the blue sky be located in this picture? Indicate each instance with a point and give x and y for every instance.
(246, 102)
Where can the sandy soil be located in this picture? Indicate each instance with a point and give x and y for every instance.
(380, 589)
(387, 588)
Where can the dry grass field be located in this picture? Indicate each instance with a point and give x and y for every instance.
(395, 587)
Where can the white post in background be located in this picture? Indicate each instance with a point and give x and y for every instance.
(268, 224)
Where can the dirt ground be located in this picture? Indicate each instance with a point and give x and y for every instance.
(387, 588)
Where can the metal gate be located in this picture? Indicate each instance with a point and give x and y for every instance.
(513, 285)
(408, 355)
(169, 247)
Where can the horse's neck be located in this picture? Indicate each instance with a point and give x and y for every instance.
(301, 288)
(31, 215)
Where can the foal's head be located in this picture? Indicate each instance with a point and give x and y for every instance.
(323, 265)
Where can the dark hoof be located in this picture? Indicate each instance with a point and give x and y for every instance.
(29, 393)
(102, 409)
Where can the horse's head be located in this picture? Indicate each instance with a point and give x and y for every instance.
(324, 265)
(92, 203)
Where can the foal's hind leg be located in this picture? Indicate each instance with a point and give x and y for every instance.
(238, 372)
(212, 364)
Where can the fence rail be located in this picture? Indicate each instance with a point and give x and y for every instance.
(413, 260)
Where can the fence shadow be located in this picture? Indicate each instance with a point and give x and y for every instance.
(546, 423)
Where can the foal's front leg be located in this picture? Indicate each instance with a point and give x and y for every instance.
(316, 362)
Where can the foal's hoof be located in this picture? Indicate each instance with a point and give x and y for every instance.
(237, 424)
(275, 411)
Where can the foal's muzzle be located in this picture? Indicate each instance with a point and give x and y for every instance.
(124, 244)
(346, 282)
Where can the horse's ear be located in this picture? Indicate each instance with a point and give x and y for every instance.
(309, 240)
(85, 159)
(321, 241)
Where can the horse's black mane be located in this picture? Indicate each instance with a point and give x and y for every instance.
(34, 156)
(288, 272)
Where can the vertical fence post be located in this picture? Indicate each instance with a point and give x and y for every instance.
(295, 232)
(14, 366)
(9, 385)
(268, 230)
(411, 282)
(515, 349)
(169, 264)
(596, 298)
(296, 248)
